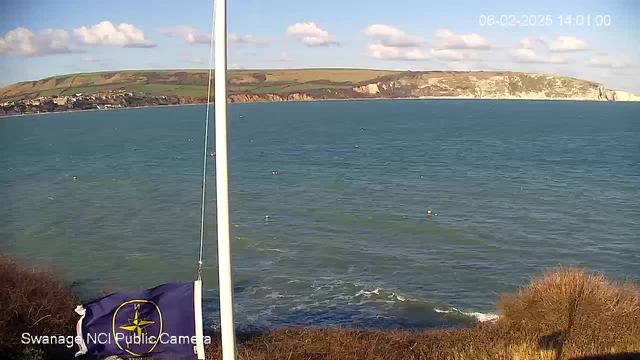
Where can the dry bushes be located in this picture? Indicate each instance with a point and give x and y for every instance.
(566, 314)
(33, 302)
(37, 303)
(577, 313)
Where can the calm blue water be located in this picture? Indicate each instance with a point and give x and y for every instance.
(518, 187)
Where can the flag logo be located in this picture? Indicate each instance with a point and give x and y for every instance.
(137, 326)
(132, 325)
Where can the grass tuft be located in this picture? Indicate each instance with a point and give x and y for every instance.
(577, 312)
(34, 302)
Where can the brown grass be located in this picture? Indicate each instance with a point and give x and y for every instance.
(32, 301)
(565, 314)
(578, 313)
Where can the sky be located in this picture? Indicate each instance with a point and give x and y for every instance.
(592, 40)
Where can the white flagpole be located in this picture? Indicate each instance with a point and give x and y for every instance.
(222, 183)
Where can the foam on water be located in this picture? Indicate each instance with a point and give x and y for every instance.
(482, 317)
(380, 294)
(391, 297)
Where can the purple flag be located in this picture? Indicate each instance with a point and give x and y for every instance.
(164, 322)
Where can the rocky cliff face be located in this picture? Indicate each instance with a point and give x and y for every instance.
(617, 95)
(480, 85)
(462, 85)
(243, 98)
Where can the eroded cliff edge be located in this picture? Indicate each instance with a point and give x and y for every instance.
(463, 85)
(176, 87)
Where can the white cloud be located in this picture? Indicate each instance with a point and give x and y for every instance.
(530, 43)
(450, 54)
(610, 62)
(91, 60)
(311, 34)
(398, 45)
(284, 57)
(529, 56)
(451, 40)
(559, 44)
(193, 36)
(246, 39)
(23, 42)
(105, 33)
(567, 43)
(539, 50)
(382, 52)
(526, 43)
(391, 36)
(189, 34)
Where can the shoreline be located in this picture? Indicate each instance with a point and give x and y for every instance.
(531, 327)
(5, 116)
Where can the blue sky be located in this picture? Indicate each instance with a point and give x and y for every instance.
(40, 38)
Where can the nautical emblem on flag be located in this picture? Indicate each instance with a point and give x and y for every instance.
(164, 322)
(137, 326)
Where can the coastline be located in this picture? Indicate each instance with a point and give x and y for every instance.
(6, 116)
(532, 325)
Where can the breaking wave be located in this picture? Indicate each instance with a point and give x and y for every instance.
(341, 303)
(482, 317)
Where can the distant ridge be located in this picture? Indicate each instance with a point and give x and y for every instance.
(190, 86)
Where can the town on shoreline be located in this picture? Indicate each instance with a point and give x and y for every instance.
(114, 99)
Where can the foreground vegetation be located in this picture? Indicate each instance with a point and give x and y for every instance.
(565, 314)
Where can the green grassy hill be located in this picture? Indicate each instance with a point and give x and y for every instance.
(190, 86)
(191, 83)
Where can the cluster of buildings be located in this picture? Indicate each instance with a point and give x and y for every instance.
(102, 100)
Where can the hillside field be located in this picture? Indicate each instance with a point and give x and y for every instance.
(191, 83)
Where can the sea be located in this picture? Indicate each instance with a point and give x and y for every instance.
(329, 204)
